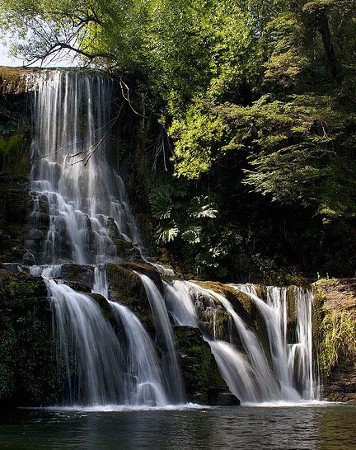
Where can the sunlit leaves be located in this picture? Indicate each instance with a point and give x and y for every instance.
(201, 207)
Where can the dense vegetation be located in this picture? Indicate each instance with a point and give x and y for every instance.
(246, 111)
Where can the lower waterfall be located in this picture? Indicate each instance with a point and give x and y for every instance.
(146, 387)
(86, 341)
(164, 333)
(81, 220)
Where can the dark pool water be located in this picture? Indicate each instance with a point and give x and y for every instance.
(313, 427)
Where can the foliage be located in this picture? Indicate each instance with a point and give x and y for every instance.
(255, 100)
(339, 339)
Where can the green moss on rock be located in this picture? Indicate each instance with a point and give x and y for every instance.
(335, 322)
(28, 365)
(201, 376)
(125, 287)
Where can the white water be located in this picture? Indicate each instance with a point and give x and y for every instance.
(147, 387)
(236, 371)
(87, 342)
(267, 387)
(73, 180)
(164, 332)
(88, 211)
(86, 198)
(250, 376)
(179, 303)
(292, 363)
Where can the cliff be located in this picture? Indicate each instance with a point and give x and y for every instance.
(337, 335)
(24, 308)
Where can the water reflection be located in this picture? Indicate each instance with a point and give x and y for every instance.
(330, 427)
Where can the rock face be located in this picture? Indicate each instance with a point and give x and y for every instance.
(201, 377)
(28, 365)
(126, 288)
(336, 325)
(16, 203)
(15, 208)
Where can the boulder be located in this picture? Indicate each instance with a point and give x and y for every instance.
(125, 287)
(202, 380)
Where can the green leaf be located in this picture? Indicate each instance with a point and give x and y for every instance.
(167, 234)
(161, 203)
(200, 207)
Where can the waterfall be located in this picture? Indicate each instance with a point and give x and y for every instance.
(146, 387)
(236, 371)
(302, 362)
(265, 380)
(292, 363)
(250, 376)
(88, 211)
(71, 177)
(165, 335)
(179, 303)
(90, 350)
(81, 215)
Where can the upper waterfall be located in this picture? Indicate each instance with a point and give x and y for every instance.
(71, 177)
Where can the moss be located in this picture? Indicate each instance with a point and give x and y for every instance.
(126, 287)
(338, 346)
(37, 375)
(199, 369)
(78, 273)
(28, 364)
(103, 305)
(7, 362)
(20, 286)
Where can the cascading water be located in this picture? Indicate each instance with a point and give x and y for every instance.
(170, 365)
(292, 363)
(88, 212)
(250, 376)
(86, 199)
(267, 386)
(179, 303)
(146, 381)
(87, 342)
(80, 215)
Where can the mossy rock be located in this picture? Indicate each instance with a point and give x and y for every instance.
(78, 274)
(148, 270)
(20, 286)
(334, 330)
(212, 316)
(201, 377)
(103, 305)
(126, 288)
(28, 363)
(15, 210)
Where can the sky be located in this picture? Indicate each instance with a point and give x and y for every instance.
(6, 60)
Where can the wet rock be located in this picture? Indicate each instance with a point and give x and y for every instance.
(36, 234)
(15, 208)
(148, 270)
(202, 380)
(220, 397)
(28, 365)
(28, 259)
(126, 287)
(75, 273)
